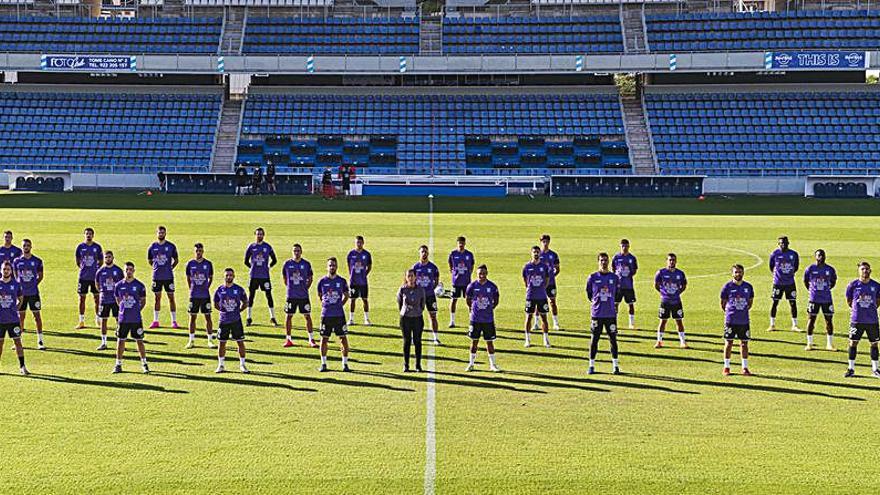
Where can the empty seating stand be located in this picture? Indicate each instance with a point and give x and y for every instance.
(752, 134)
(93, 35)
(332, 36)
(555, 153)
(532, 35)
(758, 31)
(119, 133)
(259, 3)
(430, 133)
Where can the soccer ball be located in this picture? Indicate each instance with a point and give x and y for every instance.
(438, 291)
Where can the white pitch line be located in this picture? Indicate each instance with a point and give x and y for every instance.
(430, 427)
(741, 251)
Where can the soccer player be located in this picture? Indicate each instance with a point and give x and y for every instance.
(411, 305)
(260, 257)
(8, 251)
(784, 264)
(482, 298)
(333, 293)
(550, 257)
(131, 296)
(162, 255)
(670, 282)
(106, 278)
(461, 268)
(88, 253)
(736, 302)
(298, 277)
(199, 276)
(862, 296)
(10, 300)
(28, 270)
(360, 264)
(230, 300)
(625, 267)
(536, 277)
(819, 279)
(427, 277)
(602, 287)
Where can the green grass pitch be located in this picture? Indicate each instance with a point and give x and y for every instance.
(670, 425)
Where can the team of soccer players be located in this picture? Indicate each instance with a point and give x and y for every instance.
(119, 294)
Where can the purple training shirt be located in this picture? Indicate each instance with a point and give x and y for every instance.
(625, 267)
(601, 289)
(358, 263)
(483, 299)
(551, 259)
(736, 311)
(331, 291)
(820, 280)
(26, 272)
(228, 301)
(106, 279)
(9, 294)
(297, 274)
(671, 283)
(427, 276)
(864, 300)
(259, 257)
(784, 264)
(536, 276)
(88, 259)
(9, 253)
(128, 295)
(199, 273)
(461, 265)
(161, 256)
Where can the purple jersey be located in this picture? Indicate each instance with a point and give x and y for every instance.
(671, 283)
(228, 301)
(199, 274)
(625, 267)
(483, 299)
(536, 276)
(601, 289)
(106, 279)
(88, 259)
(297, 275)
(259, 257)
(864, 300)
(161, 256)
(736, 310)
(461, 265)
(784, 264)
(26, 272)
(331, 291)
(9, 294)
(128, 295)
(9, 253)
(358, 263)
(427, 276)
(820, 280)
(551, 259)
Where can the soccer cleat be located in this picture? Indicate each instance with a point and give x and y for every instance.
(849, 373)
(249, 322)
(725, 372)
(469, 367)
(830, 348)
(616, 371)
(350, 322)
(189, 345)
(102, 347)
(419, 368)
(313, 344)
(406, 369)
(24, 371)
(288, 343)
(632, 326)
(97, 321)
(494, 368)
(155, 324)
(591, 371)
(809, 347)
(117, 368)
(528, 343)
(746, 372)
(367, 322)
(683, 346)
(323, 368)
(345, 368)
(795, 328)
(274, 322)
(145, 368)
(658, 344)
(175, 326)
(451, 325)
(556, 327)
(211, 344)
(220, 369)
(437, 341)
(547, 343)
(244, 369)
(80, 325)
(876, 373)
(771, 328)
(41, 346)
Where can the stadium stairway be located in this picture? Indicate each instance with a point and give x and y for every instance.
(233, 31)
(226, 144)
(430, 34)
(638, 137)
(632, 18)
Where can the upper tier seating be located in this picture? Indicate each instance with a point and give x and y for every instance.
(92, 35)
(119, 133)
(532, 35)
(766, 133)
(332, 36)
(758, 31)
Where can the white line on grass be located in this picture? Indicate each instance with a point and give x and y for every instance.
(741, 251)
(430, 427)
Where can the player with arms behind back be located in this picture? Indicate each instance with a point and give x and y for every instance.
(163, 257)
(625, 266)
(106, 278)
(131, 296)
(28, 270)
(862, 296)
(230, 300)
(736, 302)
(427, 277)
(536, 277)
(87, 254)
(333, 292)
(602, 287)
(259, 257)
(8, 251)
(784, 263)
(10, 325)
(670, 282)
(482, 298)
(360, 264)
(199, 276)
(461, 267)
(820, 278)
(551, 259)
(298, 276)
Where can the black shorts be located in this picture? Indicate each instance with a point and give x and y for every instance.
(359, 291)
(333, 324)
(628, 295)
(263, 284)
(30, 302)
(486, 330)
(232, 330)
(298, 304)
(789, 291)
(551, 291)
(83, 287)
(109, 309)
(826, 308)
(430, 302)
(199, 305)
(671, 310)
(12, 330)
(166, 285)
(135, 330)
(537, 305)
(607, 324)
(737, 332)
(856, 330)
(459, 291)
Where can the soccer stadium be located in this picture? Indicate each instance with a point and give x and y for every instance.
(439, 246)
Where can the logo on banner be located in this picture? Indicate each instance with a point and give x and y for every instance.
(783, 59)
(854, 59)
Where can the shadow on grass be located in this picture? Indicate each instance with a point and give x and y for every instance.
(103, 383)
(566, 382)
(495, 382)
(752, 386)
(327, 378)
(110, 353)
(225, 378)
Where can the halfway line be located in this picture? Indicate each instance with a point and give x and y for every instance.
(430, 427)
